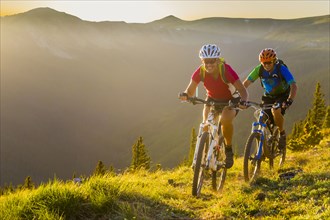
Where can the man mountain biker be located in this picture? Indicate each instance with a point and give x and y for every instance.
(279, 87)
(218, 90)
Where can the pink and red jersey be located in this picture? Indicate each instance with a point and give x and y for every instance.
(217, 88)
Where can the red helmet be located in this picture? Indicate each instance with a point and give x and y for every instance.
(267, 55)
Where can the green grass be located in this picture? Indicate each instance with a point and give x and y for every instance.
(167, 194)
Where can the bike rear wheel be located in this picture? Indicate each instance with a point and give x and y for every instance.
(219, 176)
(278, 157)
(251, 164)
(199, 169)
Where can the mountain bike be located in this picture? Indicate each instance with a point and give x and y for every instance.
(262, 142)
(209, 157)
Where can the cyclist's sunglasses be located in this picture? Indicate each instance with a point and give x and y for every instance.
(267, 63)
(209, 61)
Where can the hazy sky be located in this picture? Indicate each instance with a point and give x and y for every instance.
(147, 11)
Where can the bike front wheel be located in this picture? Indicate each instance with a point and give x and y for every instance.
(252, 164)
(199, 169)
(219, 176)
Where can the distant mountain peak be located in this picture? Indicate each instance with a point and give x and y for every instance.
(42, 10)
(45, 13)
(171, 19)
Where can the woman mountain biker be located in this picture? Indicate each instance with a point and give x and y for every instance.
(216, 74)
(279, 87)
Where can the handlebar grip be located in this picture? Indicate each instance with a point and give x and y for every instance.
(182, 94)
(276, 105)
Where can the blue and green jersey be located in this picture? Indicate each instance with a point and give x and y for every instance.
(273, 83)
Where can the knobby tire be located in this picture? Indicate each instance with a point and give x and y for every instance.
(251, 166)
(200, 165)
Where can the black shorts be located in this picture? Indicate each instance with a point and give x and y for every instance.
(271, 100)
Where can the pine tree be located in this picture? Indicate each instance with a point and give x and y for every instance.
(144, 159)
(308, 118)
(187, 161)
(318, 111)
(297, 130)
(100, 169)
(135, 156)
(326, 122)
(307, 133)
(140, 158)
(7, 189)
(312, 136)
(193, 139)
(10, 188)
(158, 166)
(28, 184)
(111, 170)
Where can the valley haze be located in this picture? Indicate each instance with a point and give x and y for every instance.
(74, 92)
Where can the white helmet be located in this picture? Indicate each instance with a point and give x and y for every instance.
(209, 51)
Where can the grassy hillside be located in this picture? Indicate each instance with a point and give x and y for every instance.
(167, 194)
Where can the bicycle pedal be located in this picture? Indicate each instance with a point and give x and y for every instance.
(217, 147)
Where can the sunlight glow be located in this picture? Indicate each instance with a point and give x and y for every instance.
(147, 11)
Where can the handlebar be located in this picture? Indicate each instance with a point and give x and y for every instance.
(195, 100)
(256, 105)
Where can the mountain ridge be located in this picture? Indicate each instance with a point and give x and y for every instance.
(47, 11)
